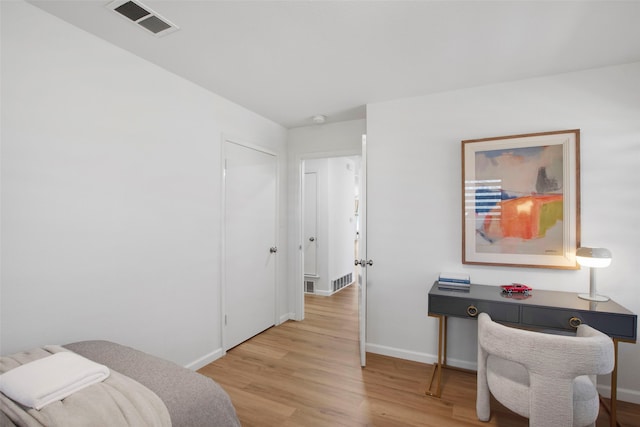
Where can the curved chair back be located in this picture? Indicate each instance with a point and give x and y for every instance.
(547, 378)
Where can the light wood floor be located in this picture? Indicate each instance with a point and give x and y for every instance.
(308, 374)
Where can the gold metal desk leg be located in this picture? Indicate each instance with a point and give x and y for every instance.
(614, 384)
(442, 358)
(613, 406)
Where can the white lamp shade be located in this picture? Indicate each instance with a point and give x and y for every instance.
(593, 257)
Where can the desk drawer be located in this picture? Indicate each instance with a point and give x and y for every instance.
(457, 307)
(614, 325)
(548, 318)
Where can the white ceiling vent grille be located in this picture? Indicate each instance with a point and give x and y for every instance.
(143, 16)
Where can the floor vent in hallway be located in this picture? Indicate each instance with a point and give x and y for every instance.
(341, 282)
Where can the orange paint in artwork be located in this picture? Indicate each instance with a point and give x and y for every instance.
(524, 217)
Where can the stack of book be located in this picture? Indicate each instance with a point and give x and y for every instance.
(454, 281)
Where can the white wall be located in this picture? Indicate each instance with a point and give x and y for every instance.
(111, 194)
(414, 209)
(342, 230)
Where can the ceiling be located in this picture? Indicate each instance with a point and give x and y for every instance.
(291, 60)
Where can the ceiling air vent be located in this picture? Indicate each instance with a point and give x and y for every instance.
(143, 16)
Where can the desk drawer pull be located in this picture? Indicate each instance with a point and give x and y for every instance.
(472, 311)
(574, 322)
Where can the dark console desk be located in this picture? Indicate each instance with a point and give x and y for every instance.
(542, 310)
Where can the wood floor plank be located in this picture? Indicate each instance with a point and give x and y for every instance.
(308, 374)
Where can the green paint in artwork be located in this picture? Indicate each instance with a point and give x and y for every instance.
(550, 213)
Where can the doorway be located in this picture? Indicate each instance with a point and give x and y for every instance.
(360, 234)
(330, 223)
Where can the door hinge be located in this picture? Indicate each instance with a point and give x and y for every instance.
(225, 320)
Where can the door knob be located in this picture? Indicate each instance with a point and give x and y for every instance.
(312, 239)
(273, 250)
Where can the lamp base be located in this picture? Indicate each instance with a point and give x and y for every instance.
(599, 298)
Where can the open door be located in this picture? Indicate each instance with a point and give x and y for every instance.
(363, 262)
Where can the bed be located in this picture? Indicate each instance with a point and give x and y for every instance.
(141, 390)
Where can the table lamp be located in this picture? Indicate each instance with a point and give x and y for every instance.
(593, 258)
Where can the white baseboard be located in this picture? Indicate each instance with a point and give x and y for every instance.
(217, 354)
(285, 317)
(625, 395)
(326, 293)
(323, 293)
(417, 356)
(205, 360)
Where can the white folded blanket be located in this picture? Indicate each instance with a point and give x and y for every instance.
(43, 381)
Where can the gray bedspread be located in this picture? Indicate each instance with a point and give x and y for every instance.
(192, 399)
(116, 401)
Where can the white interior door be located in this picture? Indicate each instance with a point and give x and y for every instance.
(310, 224)
(250, 249)
(363, 262)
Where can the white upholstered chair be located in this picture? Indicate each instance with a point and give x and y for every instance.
(550, 379)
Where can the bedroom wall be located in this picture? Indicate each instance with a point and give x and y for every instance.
(111, 194)
(414, 182)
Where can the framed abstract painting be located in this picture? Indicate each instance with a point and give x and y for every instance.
(521, 200)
